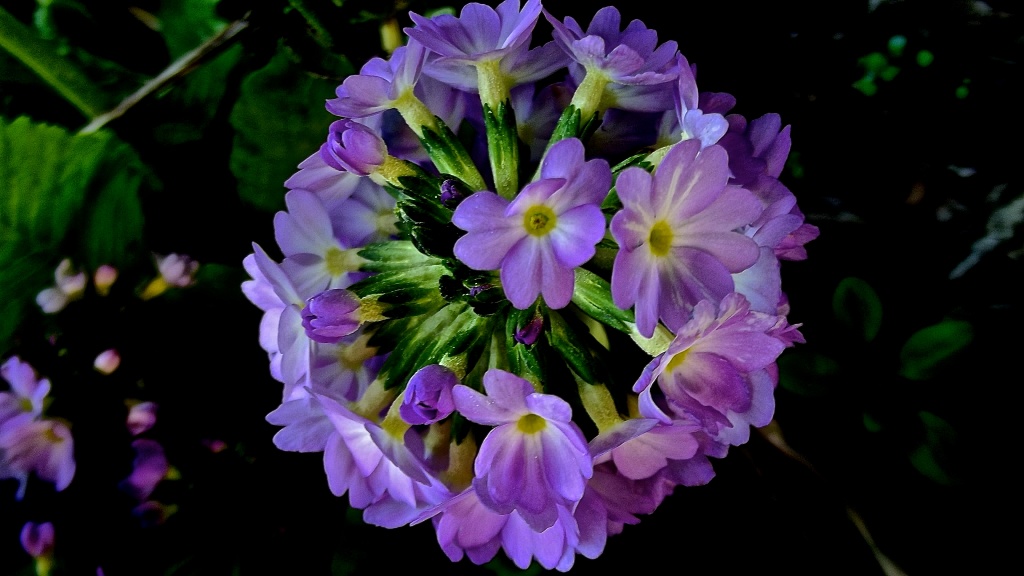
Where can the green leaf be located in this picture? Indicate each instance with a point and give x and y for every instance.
(857, 307)
(23, 272)
(53, 183)
(279, 120)
(807, 373)
(929, 349)
(62, 195)
(934, 457)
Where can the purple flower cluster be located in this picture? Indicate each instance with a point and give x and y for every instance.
(426, 286)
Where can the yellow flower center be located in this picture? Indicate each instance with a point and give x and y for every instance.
(539, 220)
(340, 261)
(676, 361)
(531, 423)
(660, 239)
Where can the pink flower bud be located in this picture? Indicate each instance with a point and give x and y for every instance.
(107, 361)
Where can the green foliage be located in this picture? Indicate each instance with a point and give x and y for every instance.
(61, 195)
(186, 24)
(807, 374)
(928, 349)
(933, 457)
(276, 127)
(857, 307)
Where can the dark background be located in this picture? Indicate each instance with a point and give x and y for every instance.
(901, 183)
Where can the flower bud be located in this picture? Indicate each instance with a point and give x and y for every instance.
(428, 396)
(104, 278)
(37, 539)
(107, 362)
(331, 315)
(353, 147)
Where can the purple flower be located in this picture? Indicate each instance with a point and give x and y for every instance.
(548, 230)
(331, 315)
(380, 473)
(465, 526)
(41, 446)
(306, 236)
(148, 469)
(68, 286)
(353, 147)
(141, 417)
(676, 234)
(480, 32)
(635, 72)
(379, 83)
(692, 122)
(37, 539)
(27, 390)
(535, 461)
(706, 371)
(428, 396)
(177, 269)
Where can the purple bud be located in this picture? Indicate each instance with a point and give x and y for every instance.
(528, 334)
(107, 361)
(331, 315)
(450, 194)
(353, 147)
(428, 396)
(141, 417)
(37, 539)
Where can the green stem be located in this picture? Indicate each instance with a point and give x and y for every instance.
(41, 57)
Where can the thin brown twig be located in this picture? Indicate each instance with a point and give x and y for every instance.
(177, 69)
(773, 434)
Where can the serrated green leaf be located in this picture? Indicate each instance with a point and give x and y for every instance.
(62, 195)
(279, 120)
(22, 272)
(930, 348)
(53, 182)
(858, 308)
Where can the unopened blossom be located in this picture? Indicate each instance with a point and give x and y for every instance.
(677, 235)
(537, 239)
(428, 396)
(38, 539)
(141, 417)
(535, 460)
(68, 286)
(353, 147)
(103, 278)
(331, 315)
(107, 361)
